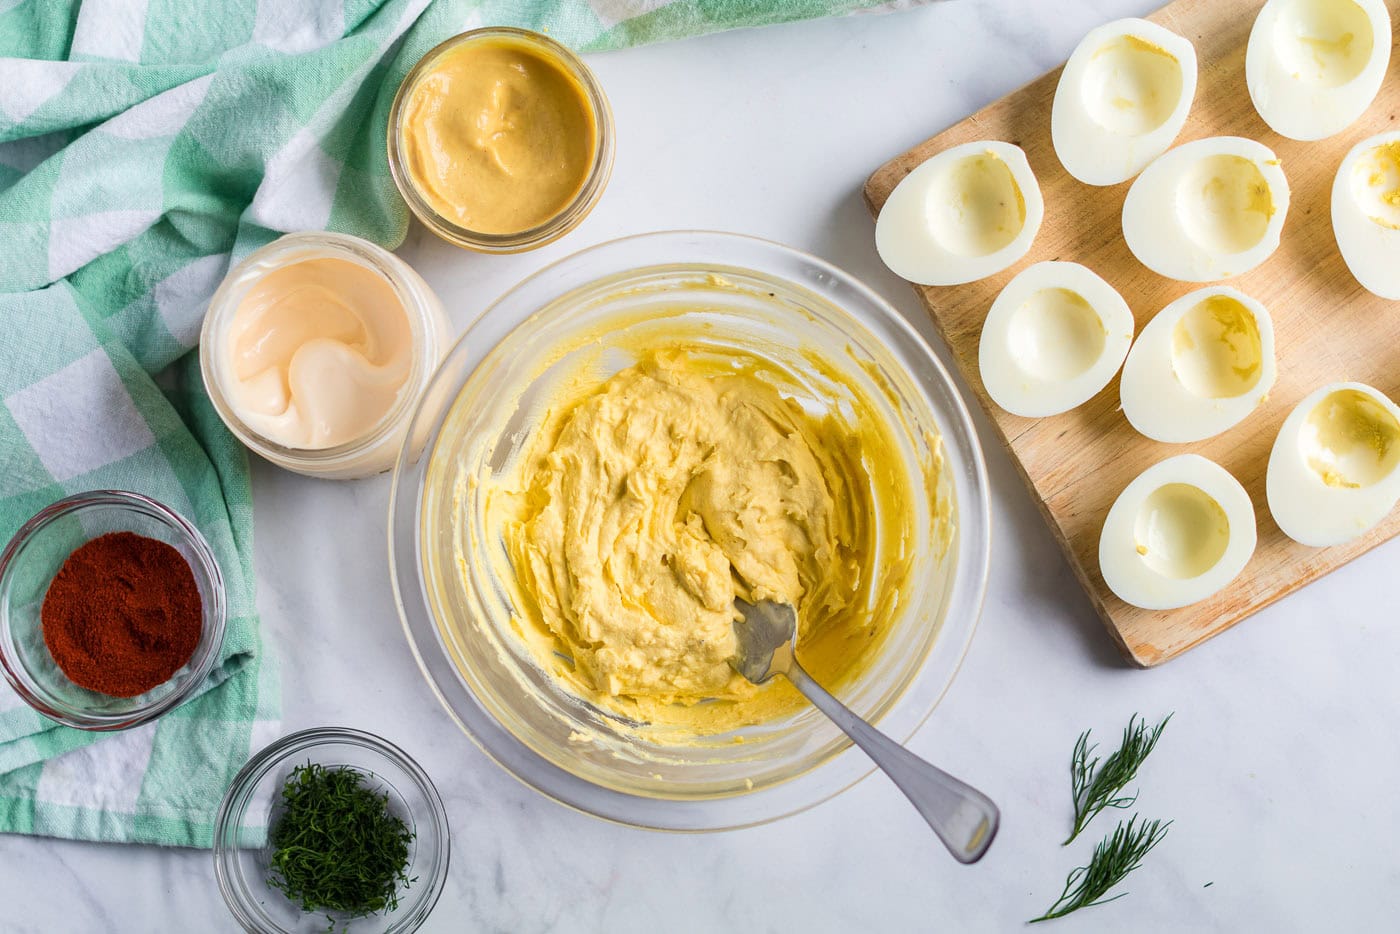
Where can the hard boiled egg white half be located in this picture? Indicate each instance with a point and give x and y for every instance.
(1207, 210)
(1122, 99)
(1334, 471)
(1177, 534)
(964, 214)
(1366, 213)
(1053, 338)
(1200, 366)
(1314, 66)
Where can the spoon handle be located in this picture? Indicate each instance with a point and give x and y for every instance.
(964, 819)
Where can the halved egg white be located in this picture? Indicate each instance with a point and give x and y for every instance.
(1053, 338)
(1122, 99)
(1180, 532)
(964, 214)
(1314, 66)
(1366, 213)
(1200, 366)
(1334, 471)
(1207, 210)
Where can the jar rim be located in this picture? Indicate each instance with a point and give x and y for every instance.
(556, 226)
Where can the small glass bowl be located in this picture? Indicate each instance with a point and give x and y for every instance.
(375, 450)
(242, 853)
(29, 563)
(558, 225)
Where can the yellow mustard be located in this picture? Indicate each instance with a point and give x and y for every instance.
(498, 136)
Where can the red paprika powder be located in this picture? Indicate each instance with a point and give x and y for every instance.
(123, 614)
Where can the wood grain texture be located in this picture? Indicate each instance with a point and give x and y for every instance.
(1327, 328)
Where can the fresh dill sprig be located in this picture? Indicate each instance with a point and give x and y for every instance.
(1115, 856)
(1095, 787)
(337, 846)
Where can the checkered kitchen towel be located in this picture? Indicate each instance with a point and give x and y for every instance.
(144, 145)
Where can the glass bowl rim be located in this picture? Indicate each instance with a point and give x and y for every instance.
(238, 796)
(562, 786)
(212, 625)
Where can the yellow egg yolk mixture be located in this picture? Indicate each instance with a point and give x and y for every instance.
(643, 507)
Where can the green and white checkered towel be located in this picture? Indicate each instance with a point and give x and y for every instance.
(143, 145)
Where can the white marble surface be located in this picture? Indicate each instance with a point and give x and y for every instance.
(1278, 767)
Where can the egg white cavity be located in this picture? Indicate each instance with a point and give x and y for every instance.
(964, 214)
(1055, 335)
(1314, 66)
(1334, 471)
(1366, 213)
(1217, 350)
(1200, 366)
(1220, 199)
(1349, 439)
(1181, 531)
(1178, 533)
(1207, 210)
(1122, 98)
(1053, 338)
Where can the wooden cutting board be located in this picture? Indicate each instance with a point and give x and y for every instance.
(1327, 328)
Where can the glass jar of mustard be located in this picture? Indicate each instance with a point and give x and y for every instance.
(315, 350)
(500, 140)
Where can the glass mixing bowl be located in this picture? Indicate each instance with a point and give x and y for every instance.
(740, 292)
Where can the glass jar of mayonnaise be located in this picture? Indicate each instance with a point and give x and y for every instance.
(315, 350)
(500, 140)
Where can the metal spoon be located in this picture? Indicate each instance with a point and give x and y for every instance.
(964, 819)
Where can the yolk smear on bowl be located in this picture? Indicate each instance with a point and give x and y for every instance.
(644, 506)
(498, 137)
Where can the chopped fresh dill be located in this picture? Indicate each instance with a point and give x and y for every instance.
(1115, 856)
(337, 846)
(1095, 787)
